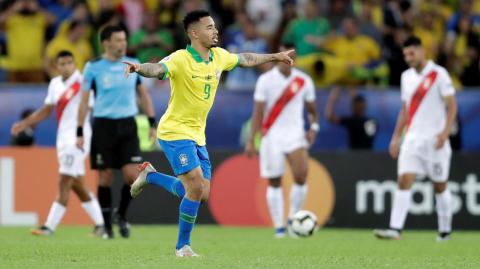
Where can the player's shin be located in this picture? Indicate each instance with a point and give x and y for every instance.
(125, 199)
(276, 205)
(401, 204)
(93, 210)
(444, 211)
(171, 184)
(55, 215)
(188, 215)
(298, 193)
(105, 200)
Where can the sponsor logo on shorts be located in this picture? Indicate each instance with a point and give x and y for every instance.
(99, 159)
(183, 159)
(136, 159)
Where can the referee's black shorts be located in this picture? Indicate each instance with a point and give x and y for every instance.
(114, 143)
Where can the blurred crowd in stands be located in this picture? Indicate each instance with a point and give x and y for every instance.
(339, 42)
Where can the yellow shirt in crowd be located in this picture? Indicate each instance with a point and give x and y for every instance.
(358, 50)
(25, 41)
(193, 86)
(335, 69)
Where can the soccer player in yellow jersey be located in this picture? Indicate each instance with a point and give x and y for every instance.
(194, 75)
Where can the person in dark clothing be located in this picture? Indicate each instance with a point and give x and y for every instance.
(393, 54)
(25, 137)
(361, 128)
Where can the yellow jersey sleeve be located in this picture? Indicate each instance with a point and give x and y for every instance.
(171, 64)
(229, 61)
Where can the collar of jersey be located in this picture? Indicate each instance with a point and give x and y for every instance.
(197, 56)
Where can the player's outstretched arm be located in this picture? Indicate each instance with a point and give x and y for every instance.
(148, 70)
(253, 59)
(34, 118)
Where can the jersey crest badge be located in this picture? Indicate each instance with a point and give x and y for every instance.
(183, 159)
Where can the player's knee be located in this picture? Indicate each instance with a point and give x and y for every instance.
(406, 181)
(130, 178)
(439, 187)
(275, 182)
(105, 178)
(300, 177)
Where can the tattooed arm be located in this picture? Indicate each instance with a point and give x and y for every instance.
(253, 59)
(147, 70)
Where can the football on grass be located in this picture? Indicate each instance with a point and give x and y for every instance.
(304, 223)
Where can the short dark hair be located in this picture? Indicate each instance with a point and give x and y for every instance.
(358, 100)
(288, 45)
(27, 112)
(412, 41)
(64, 53)
(193, 17)
(107, 32)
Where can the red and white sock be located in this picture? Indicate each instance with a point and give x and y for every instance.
(444, 211)
(276, 205)
(298, 193)
(401, 204)
(55, 216)
(93, 210)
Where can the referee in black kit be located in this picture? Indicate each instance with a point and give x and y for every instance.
(115, 143)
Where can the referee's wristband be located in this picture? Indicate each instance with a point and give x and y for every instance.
(152, 121)
(315, 127)
(79, 131)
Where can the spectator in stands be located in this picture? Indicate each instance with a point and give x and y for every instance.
(80, 13)
(393, 54)
(308, 34)
(339, 11)
(361, 128)
(353, 48)
(246, 41)
(427, 35)
(25, 137)
(289, 13)
(25, 24)
(73, 42)
(366, 26)
(62, 9)
(151, 40)
(265, 14)
(466, 49)
(397, 13)
(132, 11)
(465, 11)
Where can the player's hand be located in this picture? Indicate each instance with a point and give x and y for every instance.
(17, 127)
(283, 57)
(250, 150)
(441, 140)
(131, 68)
(153, 134)
(393, 148)
(311, 135)
(80, 142)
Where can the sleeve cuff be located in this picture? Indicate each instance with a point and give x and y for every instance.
(238, 62)
(166, 71)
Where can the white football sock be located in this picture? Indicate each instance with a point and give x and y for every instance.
(276, 205)
(55, 215)
(444, 211)
(298, 193)
(93, 209)
(401, 204)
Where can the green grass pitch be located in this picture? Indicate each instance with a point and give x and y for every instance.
(153, 247)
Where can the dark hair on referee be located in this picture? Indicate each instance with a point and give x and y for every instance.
(108, 31)
(63, 53)
(193, 17)
(288, 45)
(412, 41)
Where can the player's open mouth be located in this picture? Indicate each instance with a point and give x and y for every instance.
(215, 39)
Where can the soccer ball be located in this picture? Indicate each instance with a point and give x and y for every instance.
(304, 223)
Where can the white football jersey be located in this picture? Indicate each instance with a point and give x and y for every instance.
(66, 96)
(284, 99)
(424, 94)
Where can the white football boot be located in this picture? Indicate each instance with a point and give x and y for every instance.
(388, 234)
(141, 181)
(443, 238)
(185, 251)
(291, 233)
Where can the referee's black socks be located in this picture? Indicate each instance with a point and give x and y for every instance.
(105, 200)
(124, 200)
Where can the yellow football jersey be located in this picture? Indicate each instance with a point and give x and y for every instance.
(193, 86)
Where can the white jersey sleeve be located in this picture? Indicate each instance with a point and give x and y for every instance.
(309, 90)
(402, 86)
(445, 84)
(260, 94)
(50, 99)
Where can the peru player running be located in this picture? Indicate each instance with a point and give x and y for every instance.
(280, 95)
(428, 111)
(63, 93)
